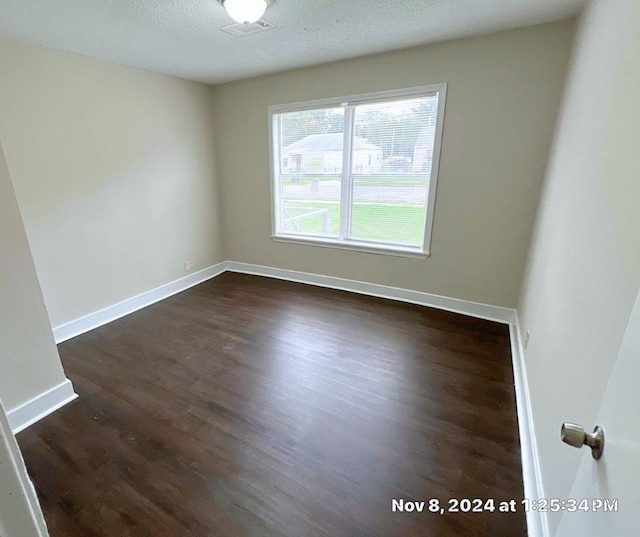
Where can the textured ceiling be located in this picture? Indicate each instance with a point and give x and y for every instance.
(183, 37)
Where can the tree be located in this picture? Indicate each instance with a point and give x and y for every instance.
(394, 129)
(395, 132)
(298, 125)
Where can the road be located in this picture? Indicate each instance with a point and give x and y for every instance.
(328, 190)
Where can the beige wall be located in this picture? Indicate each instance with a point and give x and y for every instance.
(584, 267)
(114, 172)
(503, 95)
(29, 361)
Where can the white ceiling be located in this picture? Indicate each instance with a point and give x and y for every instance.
(183, 37)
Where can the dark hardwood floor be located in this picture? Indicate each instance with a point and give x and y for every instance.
(248, 406)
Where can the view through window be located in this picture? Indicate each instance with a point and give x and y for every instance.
(357, 173)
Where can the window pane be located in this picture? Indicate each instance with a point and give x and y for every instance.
(391, 164)
(390, 209)
(312, 142)
(310, 168)
(394, 137)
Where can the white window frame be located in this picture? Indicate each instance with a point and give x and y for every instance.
(344, 242)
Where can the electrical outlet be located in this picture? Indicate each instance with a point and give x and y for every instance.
(527, 335)
(187, 266)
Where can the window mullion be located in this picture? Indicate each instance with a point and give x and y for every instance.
(346, 193)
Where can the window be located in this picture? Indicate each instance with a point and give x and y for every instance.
(358, 172)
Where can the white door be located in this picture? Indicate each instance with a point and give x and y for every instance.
(616, 476)
(20, 514)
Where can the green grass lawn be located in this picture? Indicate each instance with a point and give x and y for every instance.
(401, 224)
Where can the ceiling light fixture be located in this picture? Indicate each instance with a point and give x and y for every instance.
(245, 11)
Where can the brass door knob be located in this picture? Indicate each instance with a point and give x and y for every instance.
(575, 436)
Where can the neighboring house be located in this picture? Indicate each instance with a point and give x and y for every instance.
(322, 153)
(423, 150)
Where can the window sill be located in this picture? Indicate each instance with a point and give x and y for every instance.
(353, 246)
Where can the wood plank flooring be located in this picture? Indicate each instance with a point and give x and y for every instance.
(248, 406)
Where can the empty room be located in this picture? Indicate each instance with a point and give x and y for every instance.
(276, 268)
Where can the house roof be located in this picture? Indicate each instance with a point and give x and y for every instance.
(326, 142)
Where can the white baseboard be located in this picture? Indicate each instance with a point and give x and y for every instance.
(40, 406)
(473, 309)
(537, 522)
(111, 313)
(23, 509)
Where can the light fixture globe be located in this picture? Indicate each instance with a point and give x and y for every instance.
(245, 11)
